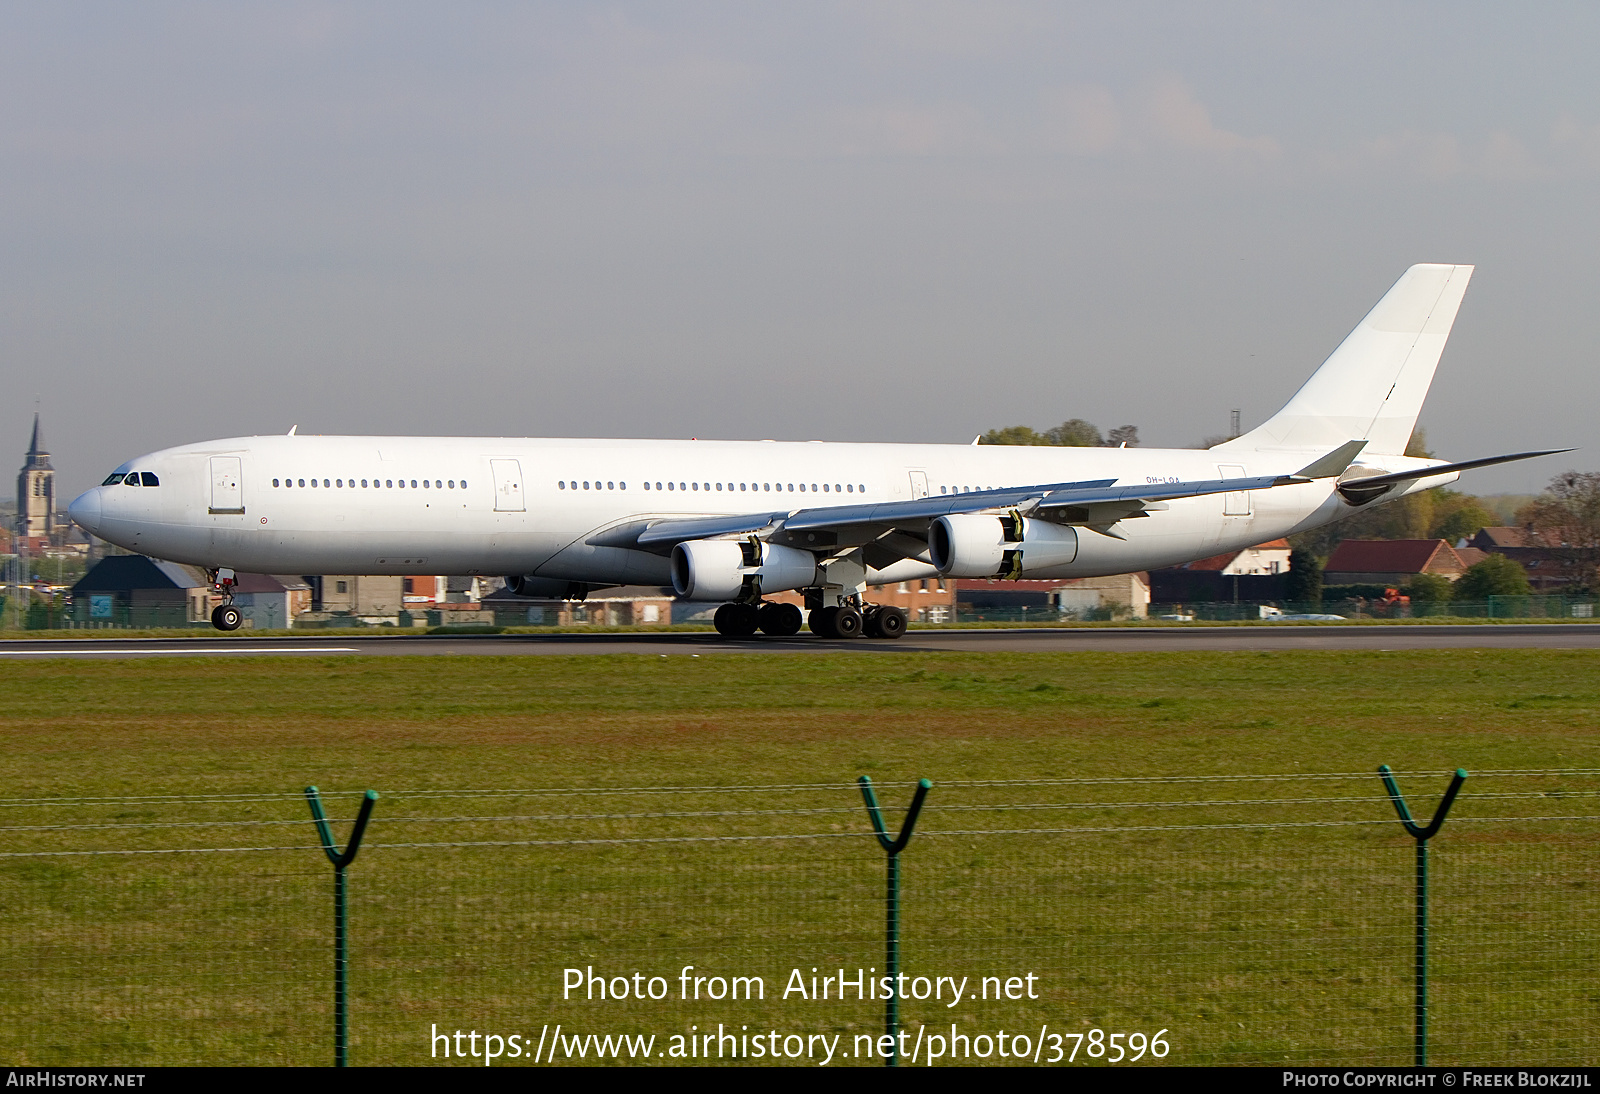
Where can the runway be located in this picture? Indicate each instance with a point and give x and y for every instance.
(1041, 640)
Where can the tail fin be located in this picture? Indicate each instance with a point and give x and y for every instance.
(1372, 386)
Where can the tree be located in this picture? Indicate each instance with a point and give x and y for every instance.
(1072, 433)
(1457, 516)
(1430, 589)
(1014, 434)
(1567, 518)
(1076, 433)
(1303, 585)
(1496, 575)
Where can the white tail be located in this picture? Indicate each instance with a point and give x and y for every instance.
(1371, 388)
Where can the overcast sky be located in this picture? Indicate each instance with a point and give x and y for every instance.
(869, 221)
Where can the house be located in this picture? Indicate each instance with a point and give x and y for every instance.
(1549, 567)
(132, 590)
(1250, 574)
(1391, 561)
(271, 600)
(1086, 595)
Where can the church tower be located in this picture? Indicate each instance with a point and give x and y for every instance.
(36, 489)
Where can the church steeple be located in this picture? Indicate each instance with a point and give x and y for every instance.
(36, 489)
(38, 455)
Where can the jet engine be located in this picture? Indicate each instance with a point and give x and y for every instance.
(976, 545)
(731, 569)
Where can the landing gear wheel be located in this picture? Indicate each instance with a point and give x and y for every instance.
(779, 620)
(848, 623)
(822, 622)
(889, 622)
(735, 620)
(226, 618)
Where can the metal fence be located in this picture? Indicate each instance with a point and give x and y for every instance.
(1244, 920)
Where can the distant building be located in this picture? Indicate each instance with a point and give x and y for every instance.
(271, 601)
(133, 590)
(1248, 575)
(124, 590)
(1549, 566)
(36, 491)
(622, 606)
(1391, 561)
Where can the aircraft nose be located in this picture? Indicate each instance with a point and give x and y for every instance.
(85, 511)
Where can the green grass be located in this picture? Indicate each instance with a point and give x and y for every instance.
(1248, 945)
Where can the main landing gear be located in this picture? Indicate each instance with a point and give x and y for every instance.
(224, 617)
(848, 621)
(781, 620)
(743, 620)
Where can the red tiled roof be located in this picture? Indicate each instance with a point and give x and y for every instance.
(1397, 556)
(1222, 562)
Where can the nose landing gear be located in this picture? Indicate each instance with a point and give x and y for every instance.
(224, 617)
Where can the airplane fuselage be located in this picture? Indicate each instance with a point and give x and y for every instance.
(420, 505)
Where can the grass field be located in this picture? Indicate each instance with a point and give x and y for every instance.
(1248, 945)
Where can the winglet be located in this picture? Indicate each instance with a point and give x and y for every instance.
(292, 429)
(1334, 464)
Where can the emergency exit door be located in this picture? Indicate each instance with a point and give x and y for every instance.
(507, 486)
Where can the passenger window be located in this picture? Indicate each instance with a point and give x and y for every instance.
(274, 482)
(741, 488)
(694, 485)
(112, 480)
(149, 478)
(683, 486)
(463, 484)
(339, 483)
(363, 482)
(647, 486)
(388, 484)
(424, 484)
(719, 488)
(802, 488)
(622, 486)
(562, 485)
(452, 483)
(303, 483)
(610, 486)
(324, 482)
(669, 486)
(413, 483)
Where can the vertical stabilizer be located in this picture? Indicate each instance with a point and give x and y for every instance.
(1372, 386)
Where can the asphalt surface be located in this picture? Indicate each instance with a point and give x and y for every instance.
(1041, 640)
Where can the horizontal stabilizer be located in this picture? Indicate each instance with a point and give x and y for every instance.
(1334, 464)
(1447, 468)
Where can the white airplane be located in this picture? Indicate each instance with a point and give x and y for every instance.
(736, 520)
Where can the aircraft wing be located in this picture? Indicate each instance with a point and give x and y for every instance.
(1099, 502)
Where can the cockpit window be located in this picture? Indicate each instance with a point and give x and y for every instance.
(149, 478)
(132, 479)
(113, 479)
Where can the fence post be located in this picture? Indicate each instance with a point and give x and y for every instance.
(1421, 835)
(341, 952)
(891, 1009)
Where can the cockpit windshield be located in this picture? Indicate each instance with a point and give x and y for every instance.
(113, 479)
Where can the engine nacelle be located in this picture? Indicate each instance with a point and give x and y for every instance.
(547, 588)
(975, 545)
(728, 569)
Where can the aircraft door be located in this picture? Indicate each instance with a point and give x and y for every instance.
(1236, 503)
(507, 475)
(227, 489)
(919, 485)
